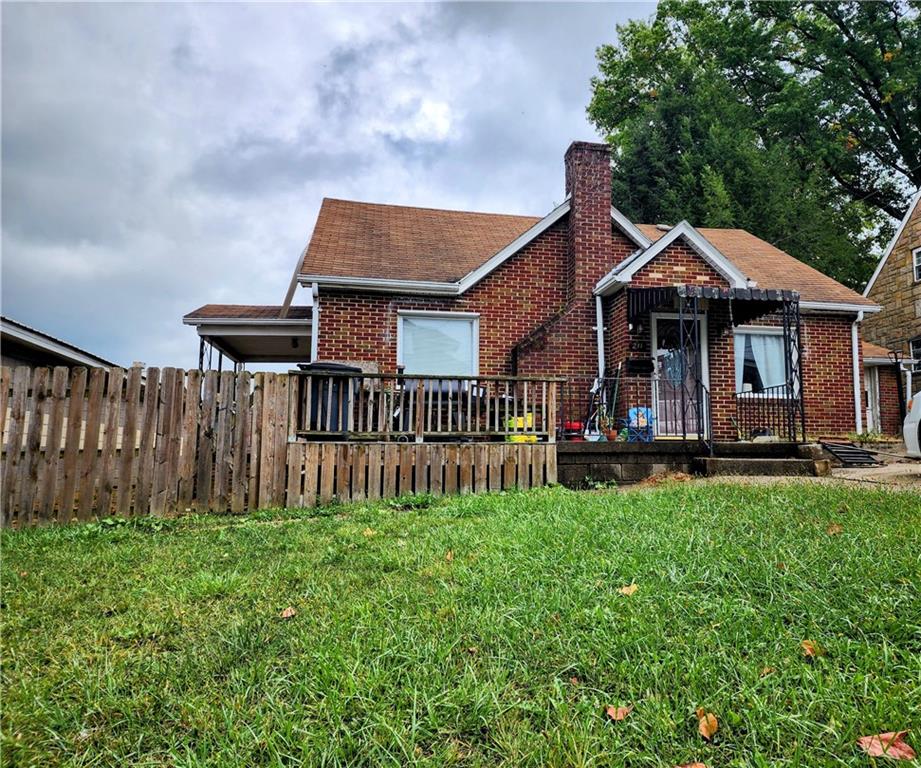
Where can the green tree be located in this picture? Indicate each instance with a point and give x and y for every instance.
(797, 121)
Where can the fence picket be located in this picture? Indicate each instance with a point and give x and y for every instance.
(256, 439)
(294, 497)
(327, 472)
(48, 485)
(267, 454)
(116, 380)
(6, 375)
(223, 460)
(148, 444)
(129, 442)
(90, 465)
(72, 444)
(22, 377)
(311, 467)
(158, 497)
(189, 439)
(241, 426)
(28, 470)
(205, 442)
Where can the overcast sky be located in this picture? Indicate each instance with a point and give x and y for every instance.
(160, 157)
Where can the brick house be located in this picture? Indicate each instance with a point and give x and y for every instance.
(708, 331)
(896, 287)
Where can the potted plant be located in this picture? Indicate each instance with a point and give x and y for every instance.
(608, 426)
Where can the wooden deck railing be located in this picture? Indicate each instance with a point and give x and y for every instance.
(404, 407)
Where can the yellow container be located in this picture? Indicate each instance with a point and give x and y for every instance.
(521, 438)
(521, 422)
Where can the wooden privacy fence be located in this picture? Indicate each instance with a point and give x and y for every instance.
(81, 444)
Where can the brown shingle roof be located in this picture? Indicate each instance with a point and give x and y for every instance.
(874, 350)
(771, 267)
(354, 239)
(246, 312)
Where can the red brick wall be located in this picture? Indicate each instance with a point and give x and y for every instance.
(678, 264)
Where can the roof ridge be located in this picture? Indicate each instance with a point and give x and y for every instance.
(429, 208)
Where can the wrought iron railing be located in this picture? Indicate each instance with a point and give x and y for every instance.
(769, 412)
(413, 408)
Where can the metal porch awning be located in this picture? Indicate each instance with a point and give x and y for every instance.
(752, 302)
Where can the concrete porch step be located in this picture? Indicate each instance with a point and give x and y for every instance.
(775, 467)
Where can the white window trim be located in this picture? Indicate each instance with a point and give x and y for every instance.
(764, 330)
(916, 265)
(402, 314)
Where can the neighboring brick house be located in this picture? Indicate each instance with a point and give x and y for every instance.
(896, 287)
(581, 293)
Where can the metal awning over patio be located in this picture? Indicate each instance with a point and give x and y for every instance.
(254, 333)
(747, 303)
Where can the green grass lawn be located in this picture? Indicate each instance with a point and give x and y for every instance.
(475, 631)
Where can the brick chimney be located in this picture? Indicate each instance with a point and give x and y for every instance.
(588, 183)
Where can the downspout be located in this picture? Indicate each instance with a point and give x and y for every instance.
(855, 353)
(315, 323)
(599, 335)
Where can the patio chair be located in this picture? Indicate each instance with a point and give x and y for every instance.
(638, 424)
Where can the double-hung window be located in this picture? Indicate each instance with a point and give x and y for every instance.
(916, 263)
(760, 361)
(438, 343)
(914, 349)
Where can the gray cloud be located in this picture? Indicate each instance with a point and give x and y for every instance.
(158, 157)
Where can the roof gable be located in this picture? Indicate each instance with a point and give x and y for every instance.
(771, 267)
(625, 271)
(892, 243)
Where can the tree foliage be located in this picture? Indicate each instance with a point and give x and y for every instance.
(797, 121)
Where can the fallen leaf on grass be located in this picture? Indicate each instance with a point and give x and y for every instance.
(449, 555)
(834, 529)
(811, 650)
(288, 613)
(628, 590)
(573, 680)
(887, 745)
(369, 532)
(472, 650)
(767, 671)
(692, 765)
(618, 713)
(706, 723)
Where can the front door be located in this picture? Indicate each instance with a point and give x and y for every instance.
(674, 394)
(871, 384)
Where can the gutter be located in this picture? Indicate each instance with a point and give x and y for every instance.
(855, 354)
(315, 323)
(378, 285)
(599, 335)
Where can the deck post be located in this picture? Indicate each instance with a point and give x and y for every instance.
(420, 409)
(550, 426)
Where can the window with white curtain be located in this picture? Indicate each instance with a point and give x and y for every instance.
(916, 263)
(438, 344)
(759, 359)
